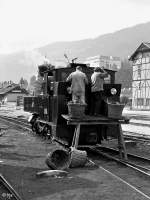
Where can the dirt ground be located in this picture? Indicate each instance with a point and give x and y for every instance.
(22, 155)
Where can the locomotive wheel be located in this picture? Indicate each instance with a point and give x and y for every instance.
(34, 127)
(37, 128)
(49, 134)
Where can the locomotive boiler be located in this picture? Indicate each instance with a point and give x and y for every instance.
(48, 109)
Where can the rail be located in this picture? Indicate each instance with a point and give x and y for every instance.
(112, 154)
(19, 123)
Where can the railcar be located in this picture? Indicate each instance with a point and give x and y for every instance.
(48, 108)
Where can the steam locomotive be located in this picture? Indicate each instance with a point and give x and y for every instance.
(47, 109)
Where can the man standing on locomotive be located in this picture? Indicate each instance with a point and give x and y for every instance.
(97, 81)
(78, 81)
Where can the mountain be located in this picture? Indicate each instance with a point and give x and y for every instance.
(21, 64)
(121, 43)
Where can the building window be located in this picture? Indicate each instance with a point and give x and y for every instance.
(139, 86)
(139, 71)
(140, 101)
(147, 102)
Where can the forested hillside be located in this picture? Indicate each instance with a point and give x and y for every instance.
(120, 43)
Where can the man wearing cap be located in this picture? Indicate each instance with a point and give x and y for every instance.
(78, 81)
(97, 81)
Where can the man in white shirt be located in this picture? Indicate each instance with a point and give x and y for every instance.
(78, 81)
(97, 81)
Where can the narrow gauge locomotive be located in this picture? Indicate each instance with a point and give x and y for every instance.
(48, 108)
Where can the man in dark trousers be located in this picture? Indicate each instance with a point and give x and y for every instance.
(78, 80)
(97, 81)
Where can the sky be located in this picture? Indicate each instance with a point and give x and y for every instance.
(25, 24)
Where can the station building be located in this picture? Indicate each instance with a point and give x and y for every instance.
(12, 92)
(141, 77)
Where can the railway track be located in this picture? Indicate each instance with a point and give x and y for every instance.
(138, 163)
(107, 159)
(140, 124)
(113, 153)
(20, 123)
(134, 172)
(136, 136)
(127, 180)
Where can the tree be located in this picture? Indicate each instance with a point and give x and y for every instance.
(38, 85)
(124, 75)
(32, 80)
(31, 86)
(23, 83)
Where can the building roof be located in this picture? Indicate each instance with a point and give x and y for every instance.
(11, 87)
(145, 46)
